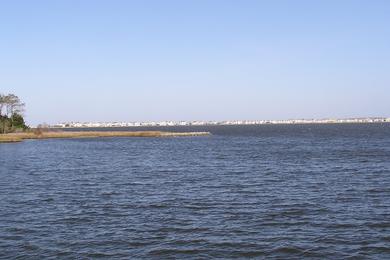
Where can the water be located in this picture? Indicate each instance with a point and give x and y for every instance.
(273, 191)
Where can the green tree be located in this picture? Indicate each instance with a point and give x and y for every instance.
(5, 124)
(12, 117)
(17, 121)
(2, 103)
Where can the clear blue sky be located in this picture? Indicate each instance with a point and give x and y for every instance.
(196, 60)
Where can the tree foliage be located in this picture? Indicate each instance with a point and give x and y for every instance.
(11, 113)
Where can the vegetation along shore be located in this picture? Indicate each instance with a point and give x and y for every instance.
(11, 114)
(17, 137)
(14, 129)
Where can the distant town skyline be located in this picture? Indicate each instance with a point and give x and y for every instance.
(137, 61)
(206, 123)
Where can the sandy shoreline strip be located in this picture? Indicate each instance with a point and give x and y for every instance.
(18, 137)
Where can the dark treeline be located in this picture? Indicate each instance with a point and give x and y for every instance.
(11, 114)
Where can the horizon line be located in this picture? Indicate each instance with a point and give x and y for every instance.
(216, 122)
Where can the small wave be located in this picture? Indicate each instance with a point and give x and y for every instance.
(72, 220)
(165, 252)
(110, 193)
(251, 254)
(30, 247)
(375, 249)
(20, 230)
(182, 230)
(287, 250)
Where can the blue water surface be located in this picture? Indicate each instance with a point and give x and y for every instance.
(270, 191)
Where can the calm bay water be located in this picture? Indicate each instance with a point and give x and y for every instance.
(272, 191)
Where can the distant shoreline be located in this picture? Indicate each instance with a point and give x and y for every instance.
(18, 137)
(214, 123)
(205, 125)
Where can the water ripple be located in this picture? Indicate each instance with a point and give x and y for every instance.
(268, 192)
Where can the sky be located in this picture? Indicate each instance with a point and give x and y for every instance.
(147, 60)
